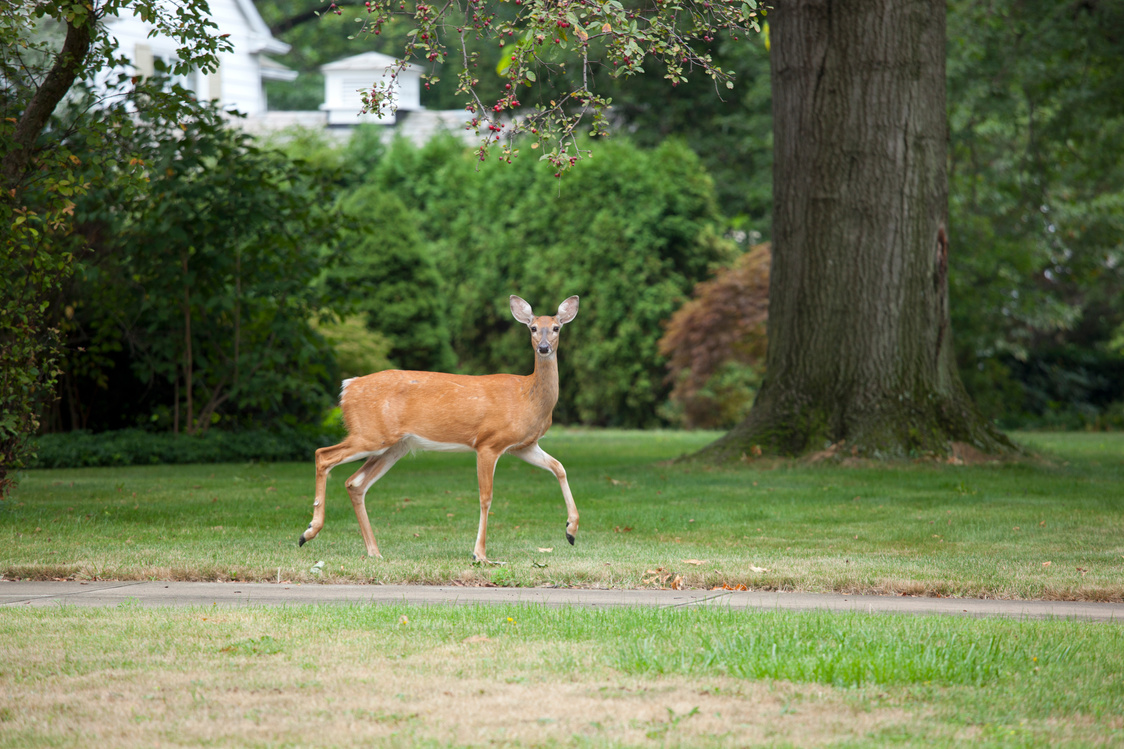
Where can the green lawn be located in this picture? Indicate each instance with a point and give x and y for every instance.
(535, 676)
(1050, 528)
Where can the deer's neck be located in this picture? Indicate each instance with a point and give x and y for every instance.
(544, 383)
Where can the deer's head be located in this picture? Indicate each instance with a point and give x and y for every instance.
(545, 328)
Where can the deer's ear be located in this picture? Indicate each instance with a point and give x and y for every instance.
(568, 310)
(521, 311)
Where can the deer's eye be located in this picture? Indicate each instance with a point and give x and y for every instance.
(534, 329)
(557, 328)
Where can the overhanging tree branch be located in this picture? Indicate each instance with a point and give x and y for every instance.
(287, 24)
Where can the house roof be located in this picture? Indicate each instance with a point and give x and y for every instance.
(271, 70)
(263, 38)
(368, 61)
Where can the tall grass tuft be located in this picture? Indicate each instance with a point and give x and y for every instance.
(839, 650)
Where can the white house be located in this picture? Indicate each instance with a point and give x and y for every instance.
(237, 84)
(346, 79)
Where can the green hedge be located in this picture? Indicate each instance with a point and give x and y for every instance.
(137, 447)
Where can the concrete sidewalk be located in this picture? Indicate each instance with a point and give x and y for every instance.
(33, 593)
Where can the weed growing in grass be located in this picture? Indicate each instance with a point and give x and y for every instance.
(661, 728)
(264, 645)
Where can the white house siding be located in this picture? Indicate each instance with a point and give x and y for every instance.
(345, 79)
(237, 84)
(409, 91)
(240, 71)
(343, 100)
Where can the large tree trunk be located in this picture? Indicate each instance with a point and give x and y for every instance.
(859, 343)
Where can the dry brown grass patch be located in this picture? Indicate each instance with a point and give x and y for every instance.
(256, 703)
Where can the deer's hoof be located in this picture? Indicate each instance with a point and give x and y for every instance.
(300, 541)
(570, 538)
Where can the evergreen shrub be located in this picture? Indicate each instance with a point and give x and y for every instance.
(124, 447)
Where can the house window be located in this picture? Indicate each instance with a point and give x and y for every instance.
(145, 62)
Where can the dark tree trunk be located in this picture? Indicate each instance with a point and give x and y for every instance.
(860, 350)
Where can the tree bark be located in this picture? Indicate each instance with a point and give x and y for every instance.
(75, 48)
(188, 356)
(860, 351)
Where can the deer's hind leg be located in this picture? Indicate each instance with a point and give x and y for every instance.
(362, 480)
(328, 458)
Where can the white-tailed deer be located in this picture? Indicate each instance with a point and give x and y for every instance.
(388, 414)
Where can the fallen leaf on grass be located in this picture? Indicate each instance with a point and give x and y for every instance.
(696, 562)
(473, 584)
(658, 577)
(546, 551)
(758, 569)
(677, 583)
(727, 586)
(1082, 570)
(1046, 564)
(625, 529)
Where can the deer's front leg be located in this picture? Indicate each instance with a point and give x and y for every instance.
(485, 473)
(536, 456)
